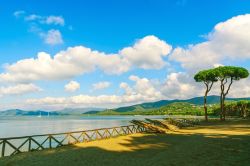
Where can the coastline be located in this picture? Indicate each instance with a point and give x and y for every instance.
(189, 146)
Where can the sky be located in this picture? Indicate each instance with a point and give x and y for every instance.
(111, 53)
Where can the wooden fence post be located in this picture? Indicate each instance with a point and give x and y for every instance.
(29, 144)
(50, 144)
(3, 148)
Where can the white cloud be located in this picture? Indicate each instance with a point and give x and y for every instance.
(33, 17)
(195, 57)
(232, 37)
(101, 85)
(128, 90)
(146, 88)
(147, 53)
(180, 86)
(218, 65)
(112, 63)
(72, 86)
(50, 20)
(52, 37)
(79, 60)
(226, 44)
(176, 86)
(240, 88)
(19, 13)
(56, 20)
(143, 90)
(64, 65)
(229, 41)
(19, 89)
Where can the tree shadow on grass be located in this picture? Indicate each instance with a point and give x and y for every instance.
(236, 125)
(146, 150)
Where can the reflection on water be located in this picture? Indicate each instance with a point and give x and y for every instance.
(31, 125)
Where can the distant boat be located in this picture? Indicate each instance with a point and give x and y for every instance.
(39, 116)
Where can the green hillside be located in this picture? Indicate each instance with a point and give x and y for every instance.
(78, 111)
(177, 108)
(195, 100)
(193, 106)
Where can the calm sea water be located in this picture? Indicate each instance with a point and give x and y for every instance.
(31, 125)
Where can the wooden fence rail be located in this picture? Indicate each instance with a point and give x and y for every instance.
(14, 145)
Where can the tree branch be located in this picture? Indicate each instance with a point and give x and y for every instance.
(206, 83)
(224, 83)
(222, 86)
(229, 86)
(210, 86)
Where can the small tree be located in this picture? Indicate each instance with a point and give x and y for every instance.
(243, 106)
(208, 77)
(227, 74)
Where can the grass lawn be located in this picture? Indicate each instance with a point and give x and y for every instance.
(218, 143)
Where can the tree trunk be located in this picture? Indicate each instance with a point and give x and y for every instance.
(222, 109)
(205, 106)
(208, 88)
(221, 106)
(224, 96)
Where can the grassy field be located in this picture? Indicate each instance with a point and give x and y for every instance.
(215, 143)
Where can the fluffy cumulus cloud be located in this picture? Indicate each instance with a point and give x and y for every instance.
(145, 87)
(228, 43)
(142, 90)
(19, 89)
(72, 86)
(52, 37)
(101, 85)
(180, 86)
(79, 60)
(175, 86)
(147, 53)
(229, 40)
(240, 88)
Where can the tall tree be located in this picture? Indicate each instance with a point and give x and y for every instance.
(226, 75)
(208, 77)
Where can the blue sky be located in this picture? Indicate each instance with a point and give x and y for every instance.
(167, 41)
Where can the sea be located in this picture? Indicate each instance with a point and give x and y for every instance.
(15, 126)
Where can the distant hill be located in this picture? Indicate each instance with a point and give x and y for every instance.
(77, 111)
(91, 112)
(18, 112)
(158, 104)
(157, 107)
(195, 100)
(66, 111)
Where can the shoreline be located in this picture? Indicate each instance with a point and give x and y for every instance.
(189, 145)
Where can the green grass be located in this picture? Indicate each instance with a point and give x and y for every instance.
(213, 143)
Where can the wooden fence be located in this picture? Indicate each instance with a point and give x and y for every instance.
(14, 145)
